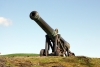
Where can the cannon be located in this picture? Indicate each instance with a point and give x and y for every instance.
(58, 45)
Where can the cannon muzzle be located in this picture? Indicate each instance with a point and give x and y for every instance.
(34, 15)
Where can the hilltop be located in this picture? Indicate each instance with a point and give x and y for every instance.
(34, 60)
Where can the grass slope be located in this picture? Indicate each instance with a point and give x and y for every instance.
(25, 60)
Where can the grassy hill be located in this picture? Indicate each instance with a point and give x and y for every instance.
(34, 60)
(21, 54)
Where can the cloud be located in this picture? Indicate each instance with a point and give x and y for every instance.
(5, 21)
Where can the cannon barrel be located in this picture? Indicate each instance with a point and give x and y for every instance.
(34, 15)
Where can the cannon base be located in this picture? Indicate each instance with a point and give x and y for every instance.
(57, 47)
(42, 53)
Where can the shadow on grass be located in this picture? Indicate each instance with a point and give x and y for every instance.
(82, 60)
(51, 64)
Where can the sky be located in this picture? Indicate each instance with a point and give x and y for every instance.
(78, 22)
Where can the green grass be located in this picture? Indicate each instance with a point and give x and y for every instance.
(20, 54)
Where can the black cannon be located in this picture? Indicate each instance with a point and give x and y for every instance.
(54, 40)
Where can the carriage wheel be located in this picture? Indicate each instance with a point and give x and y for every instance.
(42, 52)
(57, 53)
(71, 54)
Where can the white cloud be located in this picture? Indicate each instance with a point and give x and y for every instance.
(5, 22)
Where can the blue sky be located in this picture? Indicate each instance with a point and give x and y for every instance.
(78, 22)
